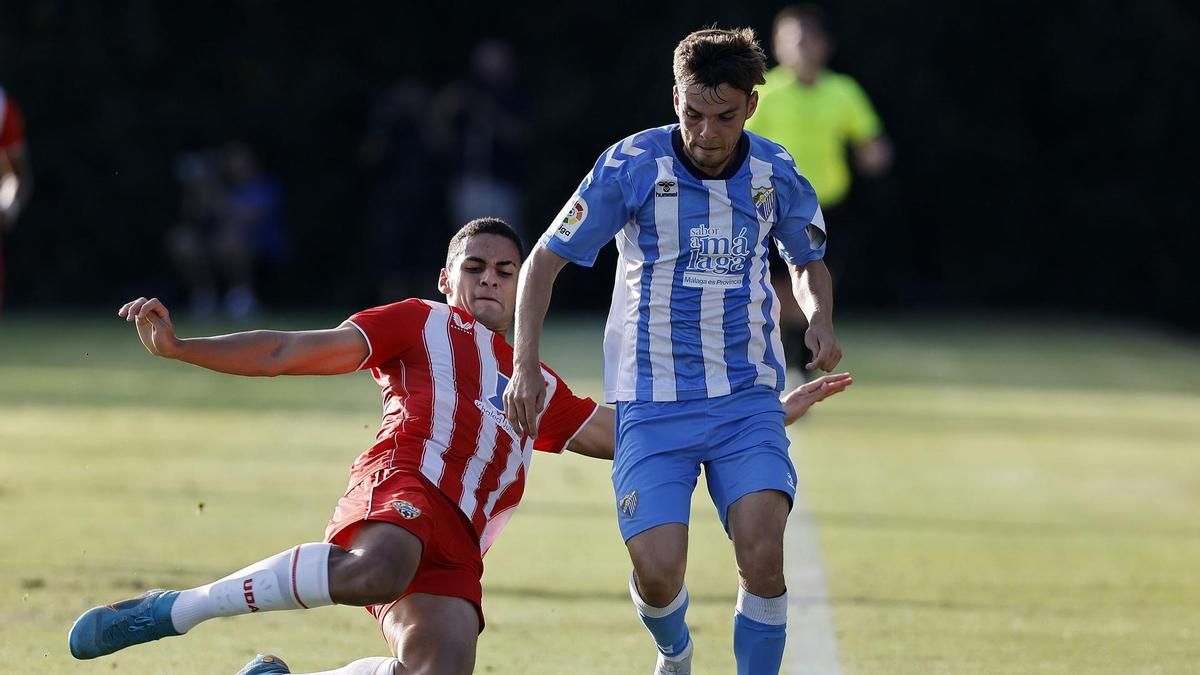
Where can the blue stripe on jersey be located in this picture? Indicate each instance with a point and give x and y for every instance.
(685, 301)
(648, 241)
(697, 314)
(741, 372)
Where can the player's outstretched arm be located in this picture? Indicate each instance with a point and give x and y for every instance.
(253, 353)
(595, 439)
(797, 401)
(525, 395)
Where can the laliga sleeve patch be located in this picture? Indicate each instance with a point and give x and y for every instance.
(572, 216)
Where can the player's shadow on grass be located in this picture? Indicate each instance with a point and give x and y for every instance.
(882, 522)
(620, 595)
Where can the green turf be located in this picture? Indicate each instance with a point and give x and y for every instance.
(992, 497)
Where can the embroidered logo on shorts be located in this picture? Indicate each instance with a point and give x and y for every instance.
(406, 509)
(791, 481)
(629, 504)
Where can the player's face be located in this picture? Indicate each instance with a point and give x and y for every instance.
(483, 280)
(711, 122)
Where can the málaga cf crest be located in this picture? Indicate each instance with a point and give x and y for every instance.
(764, 202)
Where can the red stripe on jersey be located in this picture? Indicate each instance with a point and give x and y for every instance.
(492, 441)
(464, 432)
(442, 374)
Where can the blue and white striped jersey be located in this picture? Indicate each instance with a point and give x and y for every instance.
(693, 312)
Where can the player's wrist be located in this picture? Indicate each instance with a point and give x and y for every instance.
(171, 348)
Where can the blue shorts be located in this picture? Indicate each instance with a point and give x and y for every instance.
(738, 439)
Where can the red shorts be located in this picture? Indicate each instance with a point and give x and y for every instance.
(451, 562)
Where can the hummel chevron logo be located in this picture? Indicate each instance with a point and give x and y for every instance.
(627, 148)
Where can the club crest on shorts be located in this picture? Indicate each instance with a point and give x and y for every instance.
(628, 504)
(406, 510)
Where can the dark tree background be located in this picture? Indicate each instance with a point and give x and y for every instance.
(1045, 151)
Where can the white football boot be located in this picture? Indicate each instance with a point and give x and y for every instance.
(675, 665)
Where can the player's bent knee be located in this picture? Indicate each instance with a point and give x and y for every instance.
(378, 567)
(659, 582)
(760, 565)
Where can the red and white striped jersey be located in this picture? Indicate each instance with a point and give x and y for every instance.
(443, 375)
(12, 125)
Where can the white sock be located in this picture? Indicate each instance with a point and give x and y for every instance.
(375, 665)
(771, 611)
(297, 578)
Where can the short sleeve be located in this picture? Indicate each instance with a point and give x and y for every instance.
(390, 330)
(861, 122)
(12, 128)
(564, 416)
(593, 215)
(800, 233)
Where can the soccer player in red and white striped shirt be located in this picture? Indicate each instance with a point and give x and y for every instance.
(426, 501)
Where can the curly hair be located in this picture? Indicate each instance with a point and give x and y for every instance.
(713, 56)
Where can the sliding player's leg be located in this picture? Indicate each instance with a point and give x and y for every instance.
(374, 549)
(429, 635)
(377, 566)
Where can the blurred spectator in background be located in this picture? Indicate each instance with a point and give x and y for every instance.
(815, 114)
(402, 197)
(16, 180)
(482, 126)
(231, 226)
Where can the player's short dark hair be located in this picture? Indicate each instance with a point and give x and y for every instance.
(714, 56)
(482, 226)
(805, 12)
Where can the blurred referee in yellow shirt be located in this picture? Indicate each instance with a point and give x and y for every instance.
(817, 115)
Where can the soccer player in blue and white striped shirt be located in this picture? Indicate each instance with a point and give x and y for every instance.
(692, 353)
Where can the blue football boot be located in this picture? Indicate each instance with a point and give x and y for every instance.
(108, 628)
(264, 664)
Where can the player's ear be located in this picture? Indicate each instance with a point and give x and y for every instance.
(444, 282)
(751, 104)
(675, 97)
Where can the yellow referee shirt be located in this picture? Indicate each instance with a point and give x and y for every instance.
(815, 123)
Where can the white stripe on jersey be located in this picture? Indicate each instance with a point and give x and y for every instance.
(666, 225)
(712, 301)
(485, 442)
(760, 177)
(441, 367)
(521, 453)
(620, 331)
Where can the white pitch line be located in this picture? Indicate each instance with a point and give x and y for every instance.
(812, 644)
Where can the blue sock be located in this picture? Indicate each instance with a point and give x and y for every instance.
(759, 633)
(666, 624)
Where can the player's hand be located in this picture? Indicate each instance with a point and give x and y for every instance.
(821, 342)
(524, 398)
(799, 400)
(154, 326)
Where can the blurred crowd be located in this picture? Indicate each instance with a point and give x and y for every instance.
(430, 160)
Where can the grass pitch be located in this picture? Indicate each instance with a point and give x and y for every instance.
(991, 497)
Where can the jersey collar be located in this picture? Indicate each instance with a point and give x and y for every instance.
(731, 169)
